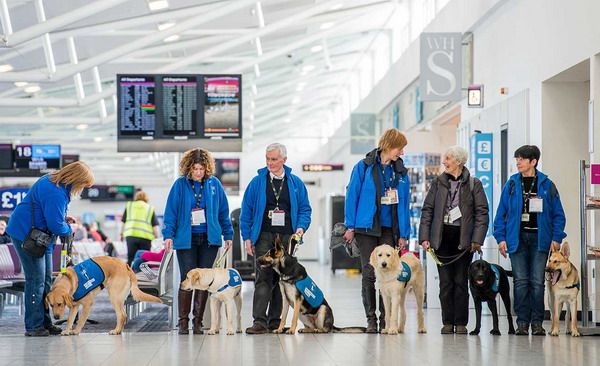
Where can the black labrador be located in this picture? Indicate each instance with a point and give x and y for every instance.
(486, 281)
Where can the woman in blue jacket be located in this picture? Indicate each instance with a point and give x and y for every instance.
(530, 219)
(377, 211)
(195, 223)
(49, 198)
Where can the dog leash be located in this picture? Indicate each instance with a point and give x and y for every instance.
(297, 239)
(437, 260)
(220, 260)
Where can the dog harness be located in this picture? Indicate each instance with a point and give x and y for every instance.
(574, 286)
(235, 280)
(89, 276)
(496, 283)
(311, 292)
(405, 274)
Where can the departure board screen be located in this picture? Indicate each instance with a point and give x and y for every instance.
(37, 157)
(137, 106)
(222, 106)
(6, 156)
(180, 105)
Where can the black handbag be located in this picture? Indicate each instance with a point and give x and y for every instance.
(37, 241)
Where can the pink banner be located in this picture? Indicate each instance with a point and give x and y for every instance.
(595, 173)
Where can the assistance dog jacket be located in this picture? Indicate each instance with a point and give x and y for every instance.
(363, 198)
(235, 280)
(551, 222)
(311, 292)
(254, 204)
(177, 222)
(89, 276)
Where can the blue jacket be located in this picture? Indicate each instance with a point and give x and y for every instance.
(50, 210)
(363, 196)
(551, 222)
(177, 220)
(254, 204)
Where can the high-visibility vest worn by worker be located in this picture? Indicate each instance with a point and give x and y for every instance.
(139, 220)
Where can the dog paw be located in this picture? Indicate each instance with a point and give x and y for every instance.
(554, 332)
(303, 330)
(575, 333)
(212, 332)
(495, 332)
(474, 332)
(74, 332)
(392, 331)
(291, 331)
(230, 332)
(278, 331)
(383, 331)
(422, 330)
(65, 333)
(239, 331)
(114, 332)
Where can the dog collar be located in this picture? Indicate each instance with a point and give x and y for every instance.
(576, 285)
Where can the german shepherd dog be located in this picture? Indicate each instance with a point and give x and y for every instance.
(563, 282)
(485, 283)
(315, 319)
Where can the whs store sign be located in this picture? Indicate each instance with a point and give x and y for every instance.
(441, 66)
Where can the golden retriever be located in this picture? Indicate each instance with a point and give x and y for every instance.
(217, 281)
(563, 287)
(388, 269)
(119, 280)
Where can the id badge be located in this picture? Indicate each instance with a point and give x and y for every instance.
(525, 217)
(278, 218)
(536, 205)
(198, 216)
(455, 214)
(392, 194)
(385, 200)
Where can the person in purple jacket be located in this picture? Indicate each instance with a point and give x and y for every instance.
(50, 197)
(196, 222)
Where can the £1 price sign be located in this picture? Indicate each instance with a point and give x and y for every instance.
(11, 197)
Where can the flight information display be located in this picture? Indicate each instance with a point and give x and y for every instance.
(180, 105)
(6, 156)
(37, 157)
(137, 108)
(222, 106)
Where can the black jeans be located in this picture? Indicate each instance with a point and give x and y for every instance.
(366, 244)
(200, 255)
(454, 288)
(134, 244)
(266, 285)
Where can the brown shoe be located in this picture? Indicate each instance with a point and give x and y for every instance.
(447, 329)
(461, 329)
(257, 329)
(185, 303)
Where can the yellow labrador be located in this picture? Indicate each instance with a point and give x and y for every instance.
(395, 277)
(225, 286)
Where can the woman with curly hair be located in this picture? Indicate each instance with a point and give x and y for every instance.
(196, 222)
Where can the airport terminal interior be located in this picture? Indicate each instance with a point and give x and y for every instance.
(179, 168)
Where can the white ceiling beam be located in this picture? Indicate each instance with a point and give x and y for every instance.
(189, 32)
(29, 120)
(5, 18)
(166, 60)
(281, 24)
(58, 21)
(125, 49)
(56, 102)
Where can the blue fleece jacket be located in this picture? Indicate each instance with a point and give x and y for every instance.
(551, 222)
(254, 204)
(177, 220)
(50, 204)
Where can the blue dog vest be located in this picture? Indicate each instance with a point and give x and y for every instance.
(311, 292)
(89, 276)
(496, 283)
(406, 273)
(235, 280)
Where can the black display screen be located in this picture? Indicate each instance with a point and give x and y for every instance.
(137, 106)
(6, 156)
(179, 112)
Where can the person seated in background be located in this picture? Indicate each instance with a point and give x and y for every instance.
(79, 231)
(142, 256)
(4, 237)
(96, 234)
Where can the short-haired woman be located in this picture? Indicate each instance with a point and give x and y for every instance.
(454, 223)
(196, 222)
(47, 201)
(140, 225)
(377, 212)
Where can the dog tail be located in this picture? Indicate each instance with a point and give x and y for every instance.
(349, 329)
(138, 294)
(509, 273)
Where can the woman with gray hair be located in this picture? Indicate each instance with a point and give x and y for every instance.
(454, 223)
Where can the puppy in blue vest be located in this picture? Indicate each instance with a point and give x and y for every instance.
(395, 277)
(224, 286)
(486, 281)
(80, 284)
(300, 292)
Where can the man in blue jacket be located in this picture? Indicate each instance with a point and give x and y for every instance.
(530, 219)
(275, 203)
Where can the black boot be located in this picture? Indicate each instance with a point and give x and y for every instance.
(200, 298)
(185, 303)
(370, 303)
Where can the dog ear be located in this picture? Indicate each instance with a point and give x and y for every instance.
(373, 257)
(68, 299)
(278, 244)
(47, 302)
(194, 276)
(565, 250)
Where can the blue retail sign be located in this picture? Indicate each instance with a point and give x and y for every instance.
(481, 166)
(11, 197)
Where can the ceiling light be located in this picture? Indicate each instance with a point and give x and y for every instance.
(308, 68)
(20, 84)
(158, 5)
(81, 127)
(300, 86)
(97, 139)
(296, 100)
(326, 25)
(6, 68)
(166, 25)
(251, 117)
(316, 48)
(287, 120)
(172, 38)
(127, 159)
(32, 89)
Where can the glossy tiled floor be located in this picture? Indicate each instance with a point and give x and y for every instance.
(343, 293)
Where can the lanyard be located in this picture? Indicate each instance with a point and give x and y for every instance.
(528, 194)
(277, 193)
(392, 180)
(197, 195)
(453, 195)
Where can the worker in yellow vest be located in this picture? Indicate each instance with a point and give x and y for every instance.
(140, 225)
